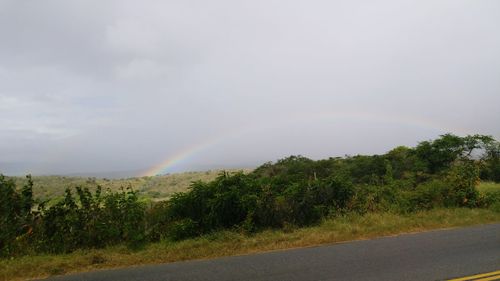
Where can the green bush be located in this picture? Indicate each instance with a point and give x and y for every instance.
(157, 221)
(430, 195)
(182, 229)
(374, 198)
(295, 191)
(463, 178)
(491, 199)
(17, 217)
(85, 221)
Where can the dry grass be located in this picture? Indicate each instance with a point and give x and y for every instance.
(227, 243)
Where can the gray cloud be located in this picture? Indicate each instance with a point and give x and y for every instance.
(89, 86)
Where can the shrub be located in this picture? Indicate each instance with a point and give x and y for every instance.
(463, 179)
(16, 216)
(429, 195)
(157, 221)
(91, 221)
(491, 200)
(375, 198)
(182, 229)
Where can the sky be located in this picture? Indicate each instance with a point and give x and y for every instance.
(148, 87)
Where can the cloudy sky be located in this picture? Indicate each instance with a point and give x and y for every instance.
(101, 86)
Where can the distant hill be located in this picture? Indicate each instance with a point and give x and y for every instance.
(153, 187)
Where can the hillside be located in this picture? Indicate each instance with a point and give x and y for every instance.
(153, 187)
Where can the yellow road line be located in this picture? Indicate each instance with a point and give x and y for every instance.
(490, 276)
(496, 277)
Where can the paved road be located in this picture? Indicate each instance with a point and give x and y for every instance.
(435, 255)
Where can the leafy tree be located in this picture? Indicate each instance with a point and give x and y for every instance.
(490, 170)
(439, 154)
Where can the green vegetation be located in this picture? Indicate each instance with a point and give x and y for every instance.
(434, 178)
(155, 188)
(491, 194)
(487, 187)
(224, 243)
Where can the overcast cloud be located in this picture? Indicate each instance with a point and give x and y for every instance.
(99, 86)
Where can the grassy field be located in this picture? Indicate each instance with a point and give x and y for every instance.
(227, 243)
(485, 187)
(154, 188)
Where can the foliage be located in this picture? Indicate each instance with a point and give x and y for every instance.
(16, 215)
(293, 192)
(491, 164)
(463, 179)
(347, 227)
(85, 221)
(489, 196)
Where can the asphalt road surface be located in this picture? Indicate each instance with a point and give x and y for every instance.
(435, 255)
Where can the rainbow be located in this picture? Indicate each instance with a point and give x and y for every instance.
(194, 149)
(182, 156)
